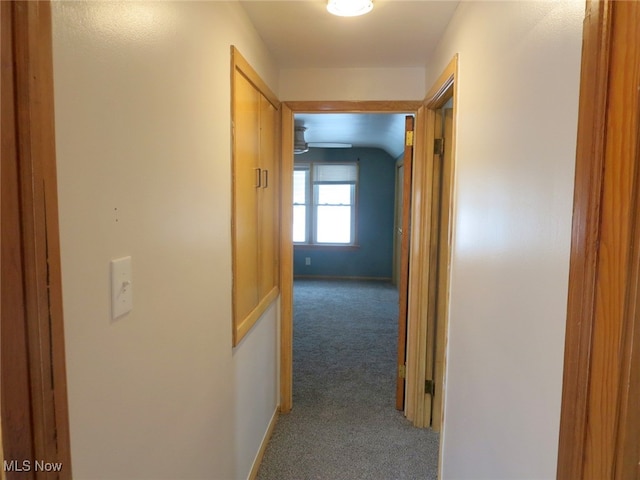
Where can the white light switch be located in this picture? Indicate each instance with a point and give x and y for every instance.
(121, 287)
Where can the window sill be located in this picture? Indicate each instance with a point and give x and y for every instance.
(324, 246)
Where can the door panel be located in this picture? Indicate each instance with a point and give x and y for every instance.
(442, 295)
(397, 245)
(267, 198)
(434, 252)
(403, 280)
(246, 180)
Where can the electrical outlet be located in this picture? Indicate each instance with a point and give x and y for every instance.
(307, 260)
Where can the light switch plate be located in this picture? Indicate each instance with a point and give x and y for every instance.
(121, 287)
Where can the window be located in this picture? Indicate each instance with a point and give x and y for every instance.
(324, 203)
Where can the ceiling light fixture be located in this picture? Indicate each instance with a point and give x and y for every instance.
(349, 8)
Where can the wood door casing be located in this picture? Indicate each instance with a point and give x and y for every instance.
(34, 395)
(423, 259)
(600, 423)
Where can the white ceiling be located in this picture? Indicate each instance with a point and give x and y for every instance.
(397, 33)
(379, 130)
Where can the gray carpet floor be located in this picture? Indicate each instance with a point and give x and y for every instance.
(344, 424)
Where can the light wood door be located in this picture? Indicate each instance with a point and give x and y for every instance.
(267, 198)
(246, 181)
(403, 280)
(442, 289)
(435, 247)
(255, 212)
(397, 242)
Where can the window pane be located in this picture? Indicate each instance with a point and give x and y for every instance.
(300, 186)
(334, 194)
(333, 224)
(299, 223)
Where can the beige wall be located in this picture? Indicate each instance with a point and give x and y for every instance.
(142, 98)
(516, 131)
(352, 84)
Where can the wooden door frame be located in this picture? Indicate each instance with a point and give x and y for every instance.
(34, 396)
(426, 285)
(286, 245)
(599, 434)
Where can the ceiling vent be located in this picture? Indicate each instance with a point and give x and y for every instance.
(299, 143)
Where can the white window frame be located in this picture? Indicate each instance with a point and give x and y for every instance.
(311, 203)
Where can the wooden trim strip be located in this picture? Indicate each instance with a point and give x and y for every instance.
(253, 474)
(437, 94)
(585, 238)
(250, 320)
(286, 263)
(364, 106)
(15, 403)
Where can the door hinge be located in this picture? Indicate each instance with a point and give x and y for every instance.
(402, 371)
(429, 387)
(409, 138)
(438, 146)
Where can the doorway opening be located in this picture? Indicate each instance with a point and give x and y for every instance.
(345, 328)
(430, 234)
(348, 212)
(299, 111)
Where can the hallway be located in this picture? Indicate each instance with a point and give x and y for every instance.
(143, 157)
(344, 424)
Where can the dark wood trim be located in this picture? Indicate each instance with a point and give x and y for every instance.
(585, 237)
(628, 438)
(35, 428)
(17, 433)
(625, 121)
(600, 422)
